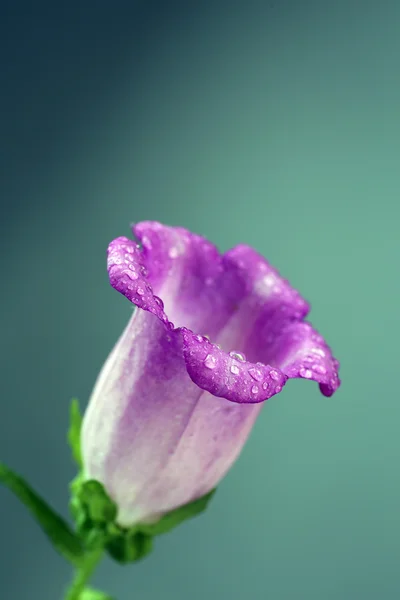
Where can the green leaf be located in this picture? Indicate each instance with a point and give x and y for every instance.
(57, 530)
(177, 516)
(74, 431)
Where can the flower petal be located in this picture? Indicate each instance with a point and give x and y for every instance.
(199, 290)
(268, 304)
(128, 275)
(302, 352)
(238, 298)
(228, 375)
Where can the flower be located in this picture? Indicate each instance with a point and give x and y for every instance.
(213, 337)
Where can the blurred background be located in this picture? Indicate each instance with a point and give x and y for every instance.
(273, 123)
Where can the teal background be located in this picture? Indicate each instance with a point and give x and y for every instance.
(276, 124)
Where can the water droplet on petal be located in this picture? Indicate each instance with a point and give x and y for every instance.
(199, 338)
(274, 374)
(306, 373)
(237, 356)
(255, 374)
(140, 291)
(254, 389)
(318, 351)
(159, 301)
(173, 252)
(235, 370)
(146, 241)
(210, 361)
(278, 389)
(265, 385)
(319, 369)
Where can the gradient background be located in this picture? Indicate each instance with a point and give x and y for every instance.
(272, 123)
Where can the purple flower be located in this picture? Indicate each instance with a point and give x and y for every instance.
(215, 335)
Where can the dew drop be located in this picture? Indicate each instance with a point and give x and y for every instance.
(132, 275)
(306, 373)
(210, 361)
(199, 338)
(278, 389)
(318, 351)
(255, 374)
(274, 374)
(140, 291)
(265, 385)
(237, 356)
(269, 280)
(235, 370)
(319, 369)
(159, 301)
(254, 389)
(173, 252)
(146, 241)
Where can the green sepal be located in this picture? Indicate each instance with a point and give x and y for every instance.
(127, 545)
(94, 500)
(177, 516)
(74, 431)
(95, 515)
(91, 509)
(63, 539)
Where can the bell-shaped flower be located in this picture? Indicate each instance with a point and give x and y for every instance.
(213, 336)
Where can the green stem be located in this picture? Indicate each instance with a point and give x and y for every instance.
(84, 573)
